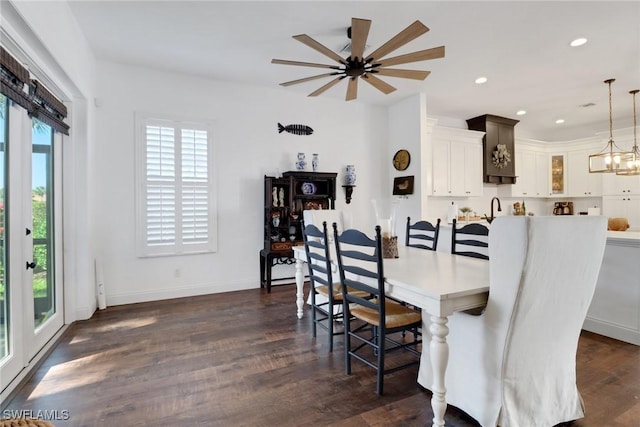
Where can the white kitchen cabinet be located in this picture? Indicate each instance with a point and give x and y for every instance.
(613, 184)
(580, 182)
(621, 198)
(623, 206)
(532, 171)
(440, 168)
(525, 173)
(473, 170)
(541, 174)
(457, 168)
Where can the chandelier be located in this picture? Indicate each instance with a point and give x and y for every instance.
(611, 159)
(633, 166)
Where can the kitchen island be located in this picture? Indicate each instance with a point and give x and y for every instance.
(615, 308)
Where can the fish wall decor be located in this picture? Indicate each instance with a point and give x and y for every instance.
(295, 129)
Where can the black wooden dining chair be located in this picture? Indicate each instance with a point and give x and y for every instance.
(422, 234)
(375, 325)
(466, 239)
(325, 293)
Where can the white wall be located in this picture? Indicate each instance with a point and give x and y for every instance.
(248, 146)
(406, 123)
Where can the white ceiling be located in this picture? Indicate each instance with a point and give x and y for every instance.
(521, 47)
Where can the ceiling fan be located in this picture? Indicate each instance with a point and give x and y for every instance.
(357, 66)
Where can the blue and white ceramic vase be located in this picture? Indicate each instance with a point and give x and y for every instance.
(350, 175)
(301, 163)
(314, 162)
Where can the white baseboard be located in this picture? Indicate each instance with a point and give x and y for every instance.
(162, 294)
(611, 330)
(84, 313)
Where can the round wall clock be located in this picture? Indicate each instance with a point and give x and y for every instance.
(401, 160)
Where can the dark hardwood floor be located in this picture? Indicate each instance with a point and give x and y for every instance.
(244, 359)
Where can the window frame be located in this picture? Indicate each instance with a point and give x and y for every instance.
(179, 246)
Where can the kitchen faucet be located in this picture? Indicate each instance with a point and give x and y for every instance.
(491, 218)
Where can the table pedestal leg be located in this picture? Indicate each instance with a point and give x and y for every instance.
(439, 350)
(299, 287)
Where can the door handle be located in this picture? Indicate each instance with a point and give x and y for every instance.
(31, 265)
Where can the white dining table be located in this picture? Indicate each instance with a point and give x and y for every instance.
(437, 282)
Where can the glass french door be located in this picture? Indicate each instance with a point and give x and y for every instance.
(43, 278)
(31, 309)
(5, 324)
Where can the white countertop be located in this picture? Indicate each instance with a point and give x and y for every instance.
(627, 238)
(630, 237)
(624, 234)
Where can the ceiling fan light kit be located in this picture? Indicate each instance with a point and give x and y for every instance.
(356, 65)
(611, 159)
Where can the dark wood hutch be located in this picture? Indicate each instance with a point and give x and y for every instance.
(284, 200)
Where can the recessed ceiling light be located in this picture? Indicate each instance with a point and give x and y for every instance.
(521, 112)
(578, 42)
(559, 121)
(481, 80)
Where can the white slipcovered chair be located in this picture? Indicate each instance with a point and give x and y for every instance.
(317, 217)
(515, 365)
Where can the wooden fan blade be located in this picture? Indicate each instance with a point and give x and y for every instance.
(382, 86)
(329, 85)
(422, 55)
(307, 79)
(359, 34)
(303, 38)
(403, 37)
(352, 89)
(303, 64)
(405, 74)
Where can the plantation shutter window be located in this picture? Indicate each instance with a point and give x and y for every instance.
(176, 190)
(195, 199)
(161, 186)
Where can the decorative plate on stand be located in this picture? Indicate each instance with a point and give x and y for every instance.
(309, 188)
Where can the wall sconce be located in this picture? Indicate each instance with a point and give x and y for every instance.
(348, 189)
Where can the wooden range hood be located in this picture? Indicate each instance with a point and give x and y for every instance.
(498, 130)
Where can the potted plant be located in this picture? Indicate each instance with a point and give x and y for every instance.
(465, 212)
